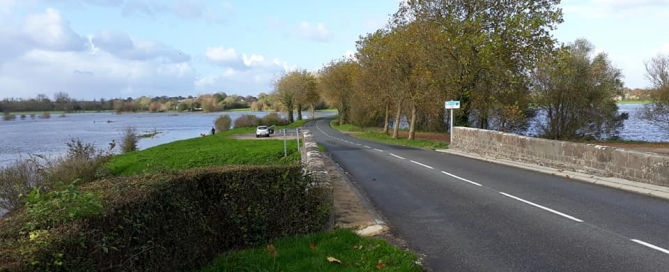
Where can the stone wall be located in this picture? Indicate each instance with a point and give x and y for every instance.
(584, 158)
(314, 164)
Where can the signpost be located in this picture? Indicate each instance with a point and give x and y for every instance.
(451, 105)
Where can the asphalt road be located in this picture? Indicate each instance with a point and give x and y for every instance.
(469, 215)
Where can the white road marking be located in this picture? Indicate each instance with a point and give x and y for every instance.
(542, 207)
(378, 149)
(401, 158)
(423, 165)
(463, 179)
(367, 147)
(651, 246)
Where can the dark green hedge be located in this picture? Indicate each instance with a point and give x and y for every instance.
(171, 222)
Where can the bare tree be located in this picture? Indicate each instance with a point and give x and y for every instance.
(657, 112)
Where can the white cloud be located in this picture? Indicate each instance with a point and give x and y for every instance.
(49, 30)
(221, 54)
(621, 9)
(241, 71)
(123, 46)
(317, 32)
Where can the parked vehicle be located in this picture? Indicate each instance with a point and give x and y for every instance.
(262, 131)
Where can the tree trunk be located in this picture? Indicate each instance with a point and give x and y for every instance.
(313, 111)
(299, 111)
(386, 119)
(398, 115)
(290, 114)
(412, 125)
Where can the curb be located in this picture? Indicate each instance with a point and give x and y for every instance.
(617, 183)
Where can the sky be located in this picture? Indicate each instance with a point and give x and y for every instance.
(92, 49)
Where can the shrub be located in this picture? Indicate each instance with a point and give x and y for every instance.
(32, 116)
(45, 115)
(223, 123)
(247, 120)
(8, 116)
(64, 204)
(83, 162)
(19, 178)
(168, 222)
(23, 116)
(129, 140)
(274, 119)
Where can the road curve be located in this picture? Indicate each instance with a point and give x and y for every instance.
(469, 215)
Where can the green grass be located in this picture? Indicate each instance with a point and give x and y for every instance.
(369, 134)
(311, 252)
(204, 152)
(625, 102)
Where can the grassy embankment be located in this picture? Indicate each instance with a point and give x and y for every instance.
(423, 139)
(292, 254)
(633, 102)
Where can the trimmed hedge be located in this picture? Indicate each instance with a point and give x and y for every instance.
(170, 222)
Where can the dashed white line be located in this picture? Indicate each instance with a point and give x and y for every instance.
(463, 179)
(651, 246)
(401, 158)
(367, 147)
(542, 207)
(378, 149)
(423, 165)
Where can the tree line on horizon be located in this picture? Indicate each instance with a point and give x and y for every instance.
(498, 58)
(216, 102)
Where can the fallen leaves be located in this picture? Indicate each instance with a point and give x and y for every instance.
(312, 245)
(272, 250)
(357, 247)
(333, 260)
(380, 265)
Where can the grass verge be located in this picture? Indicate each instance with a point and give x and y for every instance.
(203, 152)
(626, 102)
(340, 250)
(374, 135)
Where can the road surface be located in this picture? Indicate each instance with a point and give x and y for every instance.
(468, 215)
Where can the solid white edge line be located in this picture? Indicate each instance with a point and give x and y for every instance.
(423, 165)
(463, 179)
(651, 246)
(542, 207)
(401, 158)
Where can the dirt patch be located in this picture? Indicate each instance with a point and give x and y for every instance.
(350, 211)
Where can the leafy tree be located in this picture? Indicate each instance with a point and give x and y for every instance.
(575, 89)
(337, 85)
(480, 50)
(657, 112)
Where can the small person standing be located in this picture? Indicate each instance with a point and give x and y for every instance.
(213, 130)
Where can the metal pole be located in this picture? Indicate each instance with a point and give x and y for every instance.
(285, 152)
(297, 133)
(451, 130)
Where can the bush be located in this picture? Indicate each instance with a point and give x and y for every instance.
(64, 204)
(19, 178)
(274, 119)
(83, 162)
(223, 123)
(247, 120)
(8, 116)
(169, 222)
(45, 115)
(129, 140)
